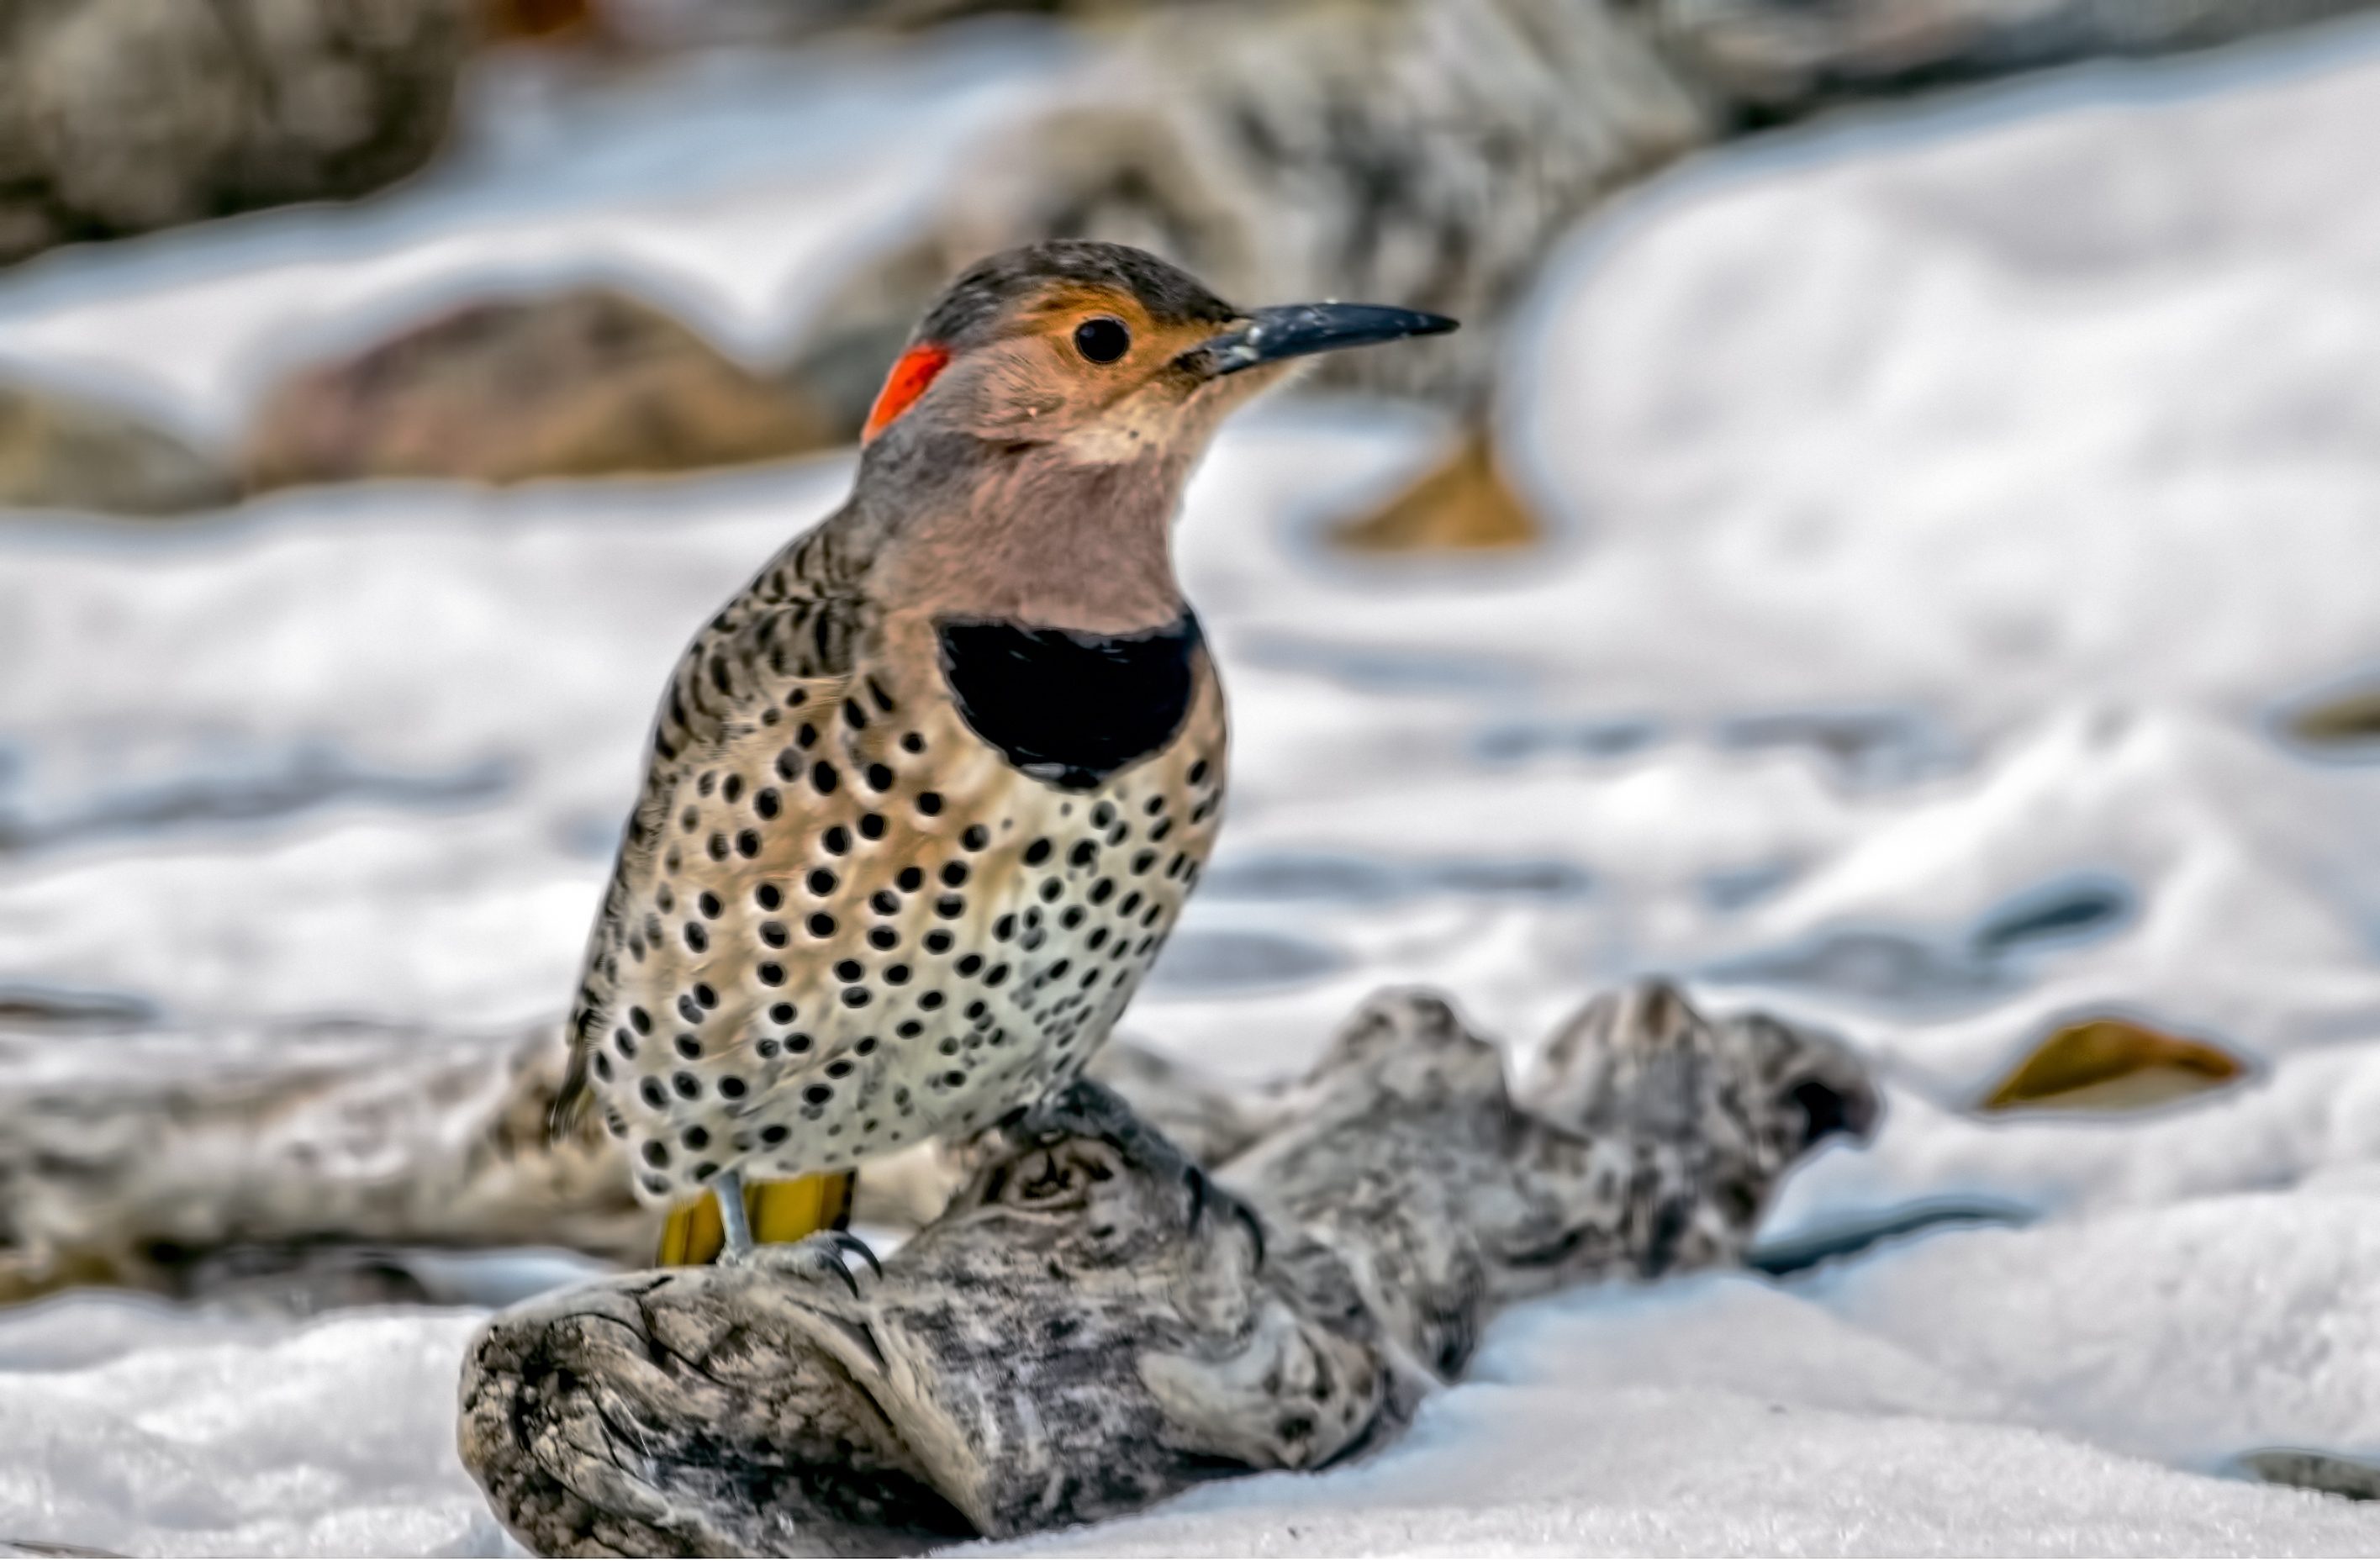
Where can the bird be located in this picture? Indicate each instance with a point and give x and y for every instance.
(923, 800)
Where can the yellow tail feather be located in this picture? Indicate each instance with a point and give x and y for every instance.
(779, 1211)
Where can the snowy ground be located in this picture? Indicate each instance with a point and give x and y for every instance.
(1949, 505)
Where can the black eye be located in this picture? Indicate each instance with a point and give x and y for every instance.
(1102, 340)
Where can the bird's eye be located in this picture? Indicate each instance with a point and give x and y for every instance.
(1102, 340)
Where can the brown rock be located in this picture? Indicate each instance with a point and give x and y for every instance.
(577, 384)
(60, 452)
(2112, 1064)
(1461, 504)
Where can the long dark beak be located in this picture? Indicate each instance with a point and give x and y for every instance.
(1296, 329)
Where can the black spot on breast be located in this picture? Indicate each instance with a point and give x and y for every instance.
(1066, 707)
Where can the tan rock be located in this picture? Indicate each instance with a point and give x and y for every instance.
(2112, 1064)
(61, 452)
(576, 384)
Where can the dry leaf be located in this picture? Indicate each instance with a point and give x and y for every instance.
(2113, 1065)
(2350, 718)
(1461, 504)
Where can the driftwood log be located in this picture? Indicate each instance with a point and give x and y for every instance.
(297, 1165)
(298, 1157)
(1096, 1323)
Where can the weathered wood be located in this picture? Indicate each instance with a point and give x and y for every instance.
(1095, 1323)
(165, 1159)
(296, 1166)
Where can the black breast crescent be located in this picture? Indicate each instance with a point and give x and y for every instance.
(1069, 708)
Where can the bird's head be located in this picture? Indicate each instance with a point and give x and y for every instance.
(1056, 398)
(1101, 353)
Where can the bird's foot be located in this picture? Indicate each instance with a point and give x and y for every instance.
(836, 1254)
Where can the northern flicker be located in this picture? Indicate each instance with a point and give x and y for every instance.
(924, 799)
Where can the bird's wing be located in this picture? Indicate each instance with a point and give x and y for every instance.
(798, 624)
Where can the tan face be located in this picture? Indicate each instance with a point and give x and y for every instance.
(1089, 372)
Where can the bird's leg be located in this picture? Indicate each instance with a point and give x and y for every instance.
(729, 1218)
(728, 1187)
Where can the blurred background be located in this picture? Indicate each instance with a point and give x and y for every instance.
(1897, 541)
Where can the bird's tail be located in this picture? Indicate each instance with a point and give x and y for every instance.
(572, 1096)
(779, 1211)
(564, 1117)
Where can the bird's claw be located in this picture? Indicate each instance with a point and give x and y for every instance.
(845, 1242)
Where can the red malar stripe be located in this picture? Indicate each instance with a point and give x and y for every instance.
(911, 372)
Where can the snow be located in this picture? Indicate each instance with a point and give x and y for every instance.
(199, 1438)
(1946, 507)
